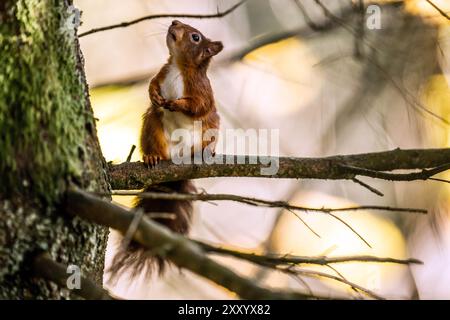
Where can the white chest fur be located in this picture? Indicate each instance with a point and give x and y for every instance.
(177, 126)
(173, 86)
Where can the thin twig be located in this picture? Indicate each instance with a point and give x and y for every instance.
(266, 39)
(327, 12)
(283, 259)
(264, 203)
(314, 26)
(424, 174)
(164, 15)
(132, 228)
(407, 96)
(254, 201)
(133, 147)
(304, 223)
(301, 281)
(335, 278)
(370, 188)
(276, 264)
(161, 215)
(439, 10)
(351, 228)
(440, 180)
(342, 277)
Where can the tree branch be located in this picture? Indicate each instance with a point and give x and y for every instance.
(340, 278)
(261, 41)
(368, 187)
(45, 267)
(287, 264)
(283, 259)
(445, 15)
(253, 201)
(133, 147)
(178, 249)
(424, 174)
(135, 175)
(311, 24)
(219, 14)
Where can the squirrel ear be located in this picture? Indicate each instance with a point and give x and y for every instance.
(213, 48)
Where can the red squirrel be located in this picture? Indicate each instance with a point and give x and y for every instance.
(180, 94)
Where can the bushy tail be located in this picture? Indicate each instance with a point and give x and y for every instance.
(136, 259)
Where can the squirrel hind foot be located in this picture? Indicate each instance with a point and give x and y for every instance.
(151, 160)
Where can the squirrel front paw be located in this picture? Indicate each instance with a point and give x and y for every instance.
(157, 99)
(169, 105)
(151, 160)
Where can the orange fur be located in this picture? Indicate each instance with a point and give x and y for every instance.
(192, 58)
(198, 99)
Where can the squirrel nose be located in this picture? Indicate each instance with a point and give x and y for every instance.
(175, 22)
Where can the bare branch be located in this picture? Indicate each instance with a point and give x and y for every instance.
(45, 267)
(285, 263)
(135, 175)
(263, 203)
(311, 24)
(267, 39)
(331, 16)
(341, 276)
(164, 15)
(133, 147)
(304, 32)
(445, 15)
(304, 223)
(407, 96)
(368, 187)
(279, 259)
(253, 201)
(351, 229)
(176, 248)
(312, 273)
(132, 228)
(424, 174)
(439, 180)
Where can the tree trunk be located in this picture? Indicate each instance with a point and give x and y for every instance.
(48, 142)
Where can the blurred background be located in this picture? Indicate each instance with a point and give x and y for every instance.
(344, 89)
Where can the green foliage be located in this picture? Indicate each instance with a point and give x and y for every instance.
(42, 104)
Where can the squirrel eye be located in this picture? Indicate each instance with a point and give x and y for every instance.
(195, 37)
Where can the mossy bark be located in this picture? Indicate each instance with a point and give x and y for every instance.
(48, 141)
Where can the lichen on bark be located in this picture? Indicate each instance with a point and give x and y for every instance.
(38, 100)
(48, 141)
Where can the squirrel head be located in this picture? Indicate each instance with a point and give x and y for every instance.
(189, 46)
